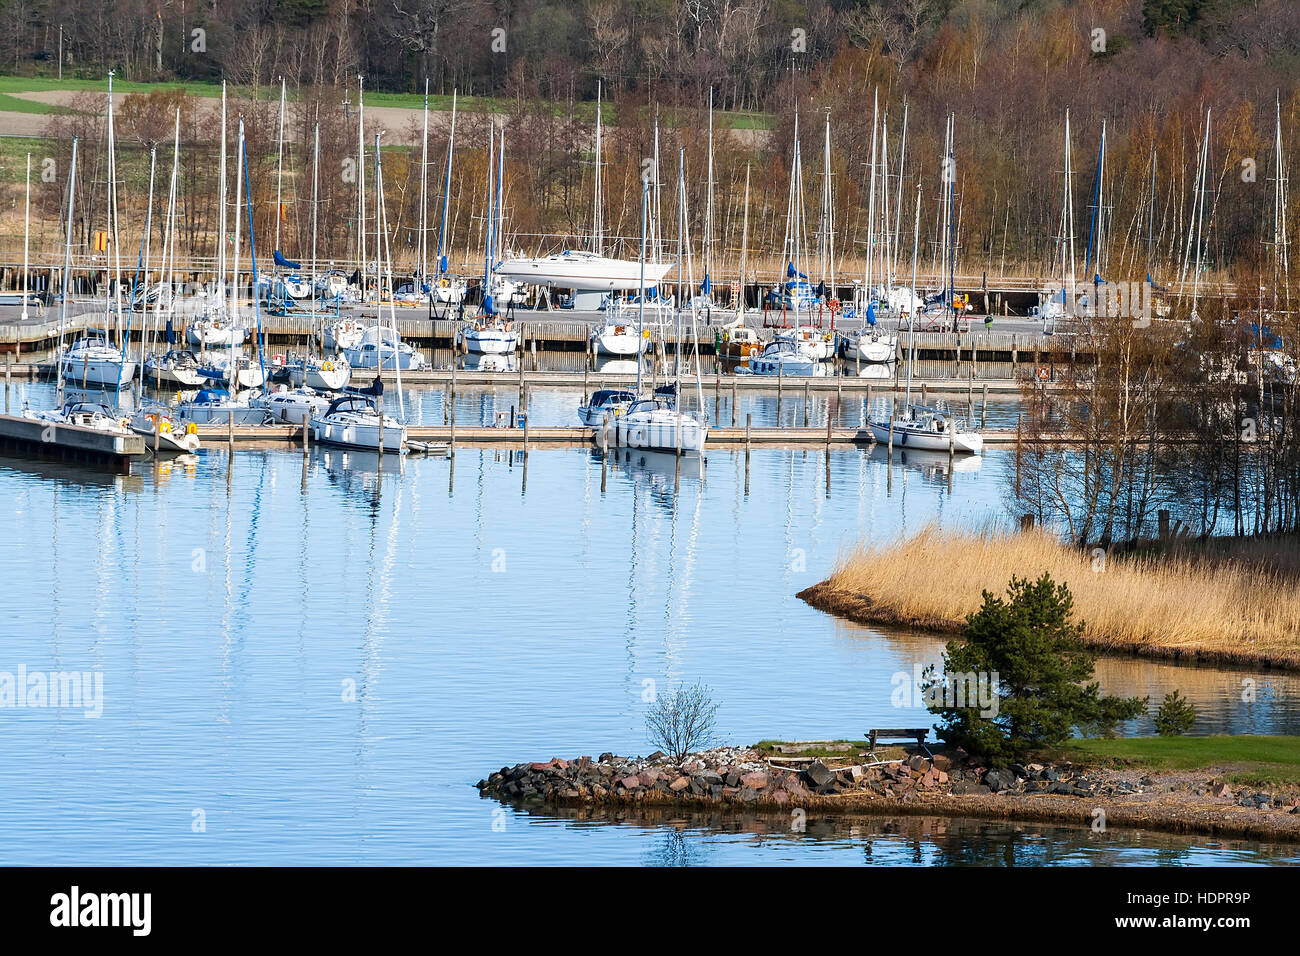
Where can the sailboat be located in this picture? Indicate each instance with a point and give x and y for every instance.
(1056, 304)
(25, 297)
(871, 343)
(658, 422)
(586, 269)
(219, 405)
(922, 427)
(356, 419)
(218, 326)
(490, 333)
(93, 359)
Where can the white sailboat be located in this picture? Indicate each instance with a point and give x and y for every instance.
(658, 422)
(93, 359)
(921, 427)
(490, 333)
(356, 419)
(380, 347)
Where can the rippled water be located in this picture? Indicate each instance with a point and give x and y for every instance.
(318, 659)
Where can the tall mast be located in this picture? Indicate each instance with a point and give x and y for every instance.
(446, 191)
(640, 308)
(707, 287)
(361, 181)
(279, 170)
(384, 250)
(886, 263)
(911, 303)
(112, 211)
(744, 251)
(67, 274)
(871, 200)
(27, 230)
(597, 219)
(220, 285)
(234, 273)
(252, 256)
(315, 198)
(488, 308)
(421, 267)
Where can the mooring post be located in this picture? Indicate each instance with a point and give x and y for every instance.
(984, 406)
(890, 449)
(749, 417)
(1027, 522)
(806, 386)
(1018, 439)
(8, 373)
(451, 450)
(230, 429)
(733, 402)
(1162, 518)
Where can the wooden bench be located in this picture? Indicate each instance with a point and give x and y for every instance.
(897, 733)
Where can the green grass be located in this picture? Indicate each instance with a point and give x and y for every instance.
(13, 104)
(586, 110)
(1275, 760)
(13, 158)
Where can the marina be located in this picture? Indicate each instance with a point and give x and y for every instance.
(678, 444)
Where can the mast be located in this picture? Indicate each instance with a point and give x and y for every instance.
(744, 251)
(640, 308)
(219, 289)
(1094, 221)
(446, 191)
(707, 286)
(871, 200)
(488, 308)
(123, 343)
(315, 198)
(911, 304)
(597, 220)
(167, 260)
(421, 267)
(382, 248)
(252, 252)
(234, 290)
(67, 274)
(27, 230)
(361, 181)
(145, 251)
(279, 173)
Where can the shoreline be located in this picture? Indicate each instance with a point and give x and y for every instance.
(861, 609)
(743, 781)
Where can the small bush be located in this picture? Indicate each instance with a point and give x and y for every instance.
(681, 722)
(1175, 715)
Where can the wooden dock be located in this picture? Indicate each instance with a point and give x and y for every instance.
(568, 436)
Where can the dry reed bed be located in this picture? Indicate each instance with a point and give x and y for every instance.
(1232, 606)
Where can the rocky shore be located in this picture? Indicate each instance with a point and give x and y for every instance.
(946, 783)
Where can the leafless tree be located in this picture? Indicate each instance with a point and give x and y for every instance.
(682, 721)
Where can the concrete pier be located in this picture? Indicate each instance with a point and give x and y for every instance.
(38, 439)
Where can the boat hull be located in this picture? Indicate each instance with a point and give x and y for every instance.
(355, 435)
(659, 433)
(102, 372)
(965, 442)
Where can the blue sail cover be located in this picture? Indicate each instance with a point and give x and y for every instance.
(488, 307)
(170, 335)
(284, 263)
(871, 313)
(707, 285)
(442, 264)
(791, 272)
(821, 289)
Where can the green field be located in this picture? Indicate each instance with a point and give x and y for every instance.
(1262, 761)
(411, 101)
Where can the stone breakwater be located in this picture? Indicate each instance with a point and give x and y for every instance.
(949, 783)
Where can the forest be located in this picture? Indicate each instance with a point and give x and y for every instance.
(1006, 69)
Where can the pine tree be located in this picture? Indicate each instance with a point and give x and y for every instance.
(1033, 657)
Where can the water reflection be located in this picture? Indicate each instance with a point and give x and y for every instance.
(699, 837)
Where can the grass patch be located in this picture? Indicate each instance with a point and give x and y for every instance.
(1272, 760)
(1232, 602)
(12, 104)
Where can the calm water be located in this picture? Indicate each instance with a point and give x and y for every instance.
(319, 660)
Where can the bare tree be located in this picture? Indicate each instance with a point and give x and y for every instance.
(682, 721)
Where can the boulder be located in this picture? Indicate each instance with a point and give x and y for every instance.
(1221, 789)
(680, 784)
(756, 780)
(941, 762)
(1000, 779)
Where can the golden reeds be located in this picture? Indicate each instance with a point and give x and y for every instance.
(1224, 604)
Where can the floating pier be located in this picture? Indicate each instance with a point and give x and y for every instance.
(75, 443)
